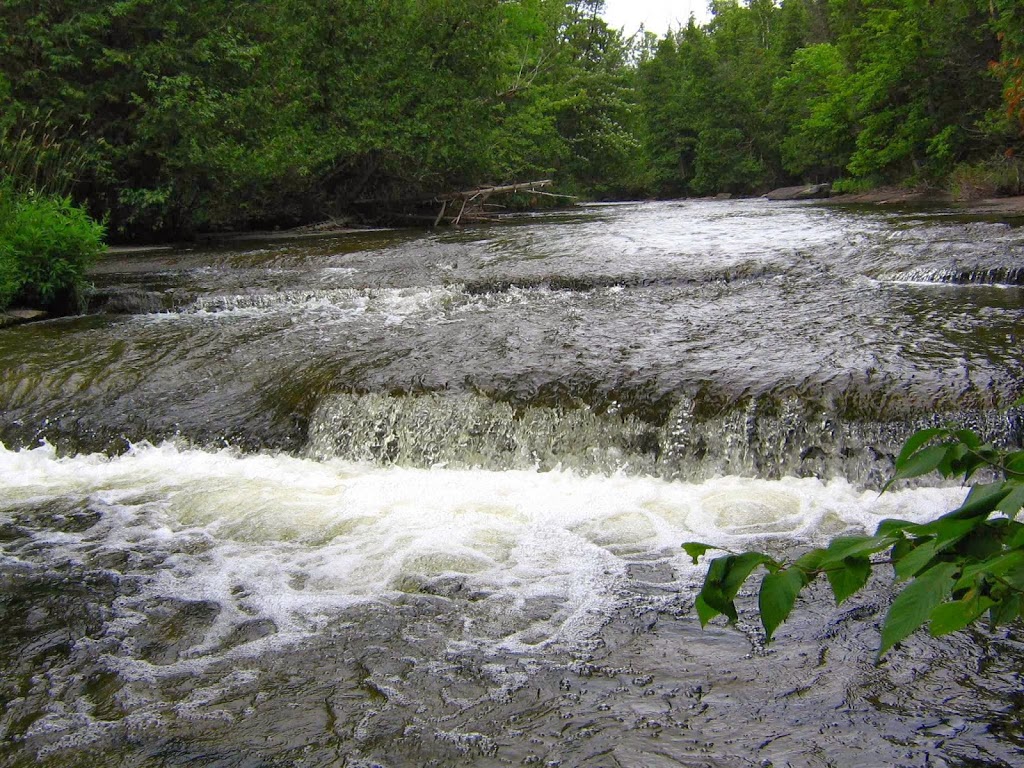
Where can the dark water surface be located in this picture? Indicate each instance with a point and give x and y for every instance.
(403, 499)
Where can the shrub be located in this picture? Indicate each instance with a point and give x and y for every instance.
(855, 186)
(46, 245)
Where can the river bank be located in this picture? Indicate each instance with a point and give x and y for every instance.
(896, 196)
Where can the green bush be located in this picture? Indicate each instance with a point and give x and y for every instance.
(46, 245)
(963, 565)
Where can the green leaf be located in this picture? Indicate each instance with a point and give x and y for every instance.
(1014, 463)
(1005, 565)
(704, 611)
(913, 606)
(948, 528)
(921, 463)
(843, 547)
(915, 441)
(968, 437)
(950, 617)
(951, 461)
(981, 500)
(725, 577)
(890, 528)
(848, 578)
(916, 560)
(1017, 539)
(778, 594)
(739, 567)
(982, 543)
(1005, 611)
(810, 562)
(1012, 503)
(695, 549)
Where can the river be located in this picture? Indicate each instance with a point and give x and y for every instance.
(416, 499)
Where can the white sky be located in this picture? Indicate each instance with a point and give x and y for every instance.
(655, 15)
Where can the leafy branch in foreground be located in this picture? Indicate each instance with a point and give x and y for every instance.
(957, 568)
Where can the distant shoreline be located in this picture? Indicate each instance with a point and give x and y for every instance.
(1013, 206)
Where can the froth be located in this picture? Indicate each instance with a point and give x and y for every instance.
(276, 546)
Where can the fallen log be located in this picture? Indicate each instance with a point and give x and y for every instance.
(455, 207)
(470, 194)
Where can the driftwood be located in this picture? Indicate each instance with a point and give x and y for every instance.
(472, 203)
(456, 207)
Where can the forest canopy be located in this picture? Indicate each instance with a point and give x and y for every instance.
(193, 116)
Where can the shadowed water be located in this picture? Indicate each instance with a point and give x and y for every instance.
(416, 499)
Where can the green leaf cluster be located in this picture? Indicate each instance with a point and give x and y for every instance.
(46, 245)
(960, 567)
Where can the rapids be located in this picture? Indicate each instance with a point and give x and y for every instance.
(399, 498)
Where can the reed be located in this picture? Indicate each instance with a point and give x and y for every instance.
(37, 157)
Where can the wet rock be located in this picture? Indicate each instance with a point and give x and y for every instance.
(19, 316)
(249, 632)
(128, 301)
(174, 627)
(804, 192)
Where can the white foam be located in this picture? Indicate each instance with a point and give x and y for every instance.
(297, 541)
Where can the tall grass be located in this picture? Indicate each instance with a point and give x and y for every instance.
(1002, 175)
(39, 158)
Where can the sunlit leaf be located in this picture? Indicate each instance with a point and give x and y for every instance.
(778, 594)
(695, 549)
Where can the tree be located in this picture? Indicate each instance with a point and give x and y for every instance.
(812, 102)
(912, 63)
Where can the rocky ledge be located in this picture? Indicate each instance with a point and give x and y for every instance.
(18, 316)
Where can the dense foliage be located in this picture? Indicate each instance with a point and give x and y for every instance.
(46, 242)
(211, 114)
(46, 245)
(964, 564)
(216, 114)
(867, 91)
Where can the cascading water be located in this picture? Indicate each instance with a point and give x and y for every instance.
(404, 499)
